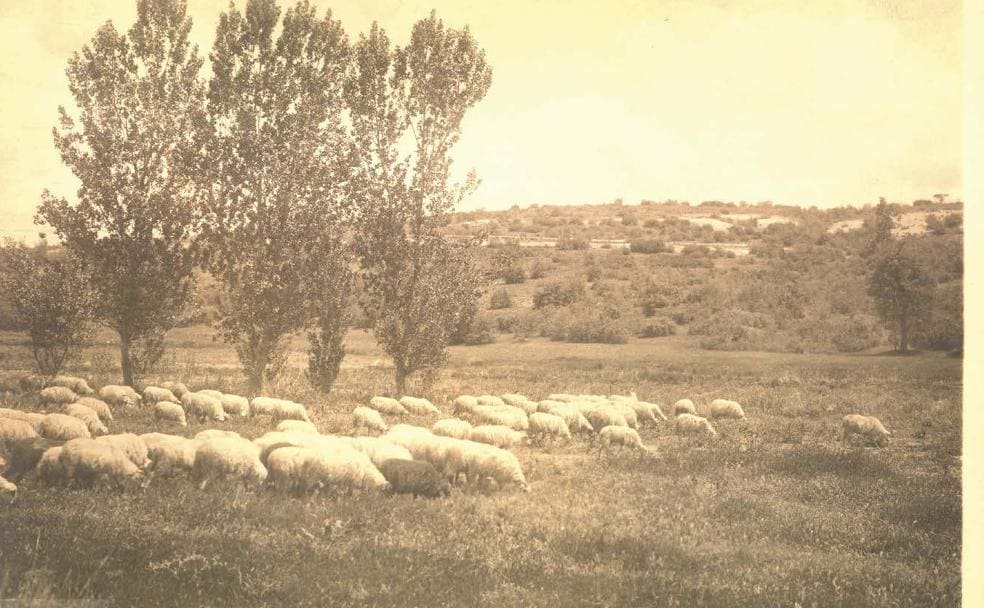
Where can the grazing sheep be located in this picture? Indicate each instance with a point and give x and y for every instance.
(684, 406)
(693, 424)
(153, 394)
(576, 421)
(380, 450)
(296, 426)
(414, 477)
(562, 397)
(262, 405)
(8, 489)
(177, 388)
(234, 404)
(98, 406)
(289, 410)
(209, 434)
(548, 425)
(13, 429)
(464, 404)
(869, 428)
(505, 415)
(57, 395)
(88, 416)
(388, 405)
(643, 413)
(627, 412)
(211, 393)
(497, 435)
(49, 467)
(514, 399)
(305, 469)
(724, 408)
(228, 458)
(621, 436)
(602, 417)
(119, 396)
(131, 445)
(364, 418)
(490, 400)
(203, 407)
(171, 412)
(452, 427)
(23, 455)
(547, 404)
(497, 464)
(654, 408)
(90, 460)
(62, 427)
(77, 385)
(419, 406)
(170, 454)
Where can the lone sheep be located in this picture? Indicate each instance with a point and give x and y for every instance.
(684, 406)
(693, 424)
(364, 418)
(725, 408)
(62, 427)
(869, 428)
(612, 436)
(58, 395)
(171, 412)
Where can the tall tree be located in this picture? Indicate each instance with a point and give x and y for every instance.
(407, 105)
(276, 213)
(902, 288)
(134, 147)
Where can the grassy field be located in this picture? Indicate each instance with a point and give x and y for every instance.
(773, 512)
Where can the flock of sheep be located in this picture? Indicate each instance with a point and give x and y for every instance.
(474, 446)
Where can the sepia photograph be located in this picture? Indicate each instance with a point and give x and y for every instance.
(533, 303)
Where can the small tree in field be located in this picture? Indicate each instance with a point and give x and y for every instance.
(133, 147)
(902, 288)
(275, 216)
(50, 298)
(407, 105)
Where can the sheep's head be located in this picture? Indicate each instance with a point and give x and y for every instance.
(8, 490)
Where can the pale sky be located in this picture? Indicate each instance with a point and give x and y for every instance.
(794, 101)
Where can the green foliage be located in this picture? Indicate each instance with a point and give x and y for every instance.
(558, 294)
(50, 299)
(418, 285)
(135, 148)
(277, 159)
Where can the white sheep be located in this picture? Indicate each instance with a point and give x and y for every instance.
(296, 426)
(380, 450)
(505, 415)
(209, 434)
(77, 385)
(547, 404)
(693, 424)
(153, 394)
(171, 412)
(88, 416)
(491, 462)
(89, 460)
(576, 421)
(49, 468)
(869, 428)
(99, 406)
(131, 445)
(602, 417)
(562, 397)
(725, 408)
(490, 400)
(228, 458)
(211, 393)
(307, 469)
(8, 489)
(62, 427)
(628, 412)
(177, 388)
(520, 401)
(548, 425)
(654, 408)
(620, 436)
(289, 410)
(234, 404)
(203, 407)
(452, 427)
(387, 405)
(119, 396)
(57, 395)
(497, 435)
(262, 406)
(13, 430)
(170, 454)
(418, 406)
(684, 406)
(464, 404)
(368, 419)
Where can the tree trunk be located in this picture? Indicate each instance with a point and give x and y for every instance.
(904, 335)
(401, 378)
(256, 376)
(126, 363)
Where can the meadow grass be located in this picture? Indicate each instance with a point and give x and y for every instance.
(775, 511)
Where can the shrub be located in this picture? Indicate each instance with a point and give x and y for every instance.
(588, 322)
(500, 299)
(649, 246)
(538, 270)
(657, 328)
(557, 294)
(568, 243)
(514, 274)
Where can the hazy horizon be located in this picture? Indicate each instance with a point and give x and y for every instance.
(790, 102)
